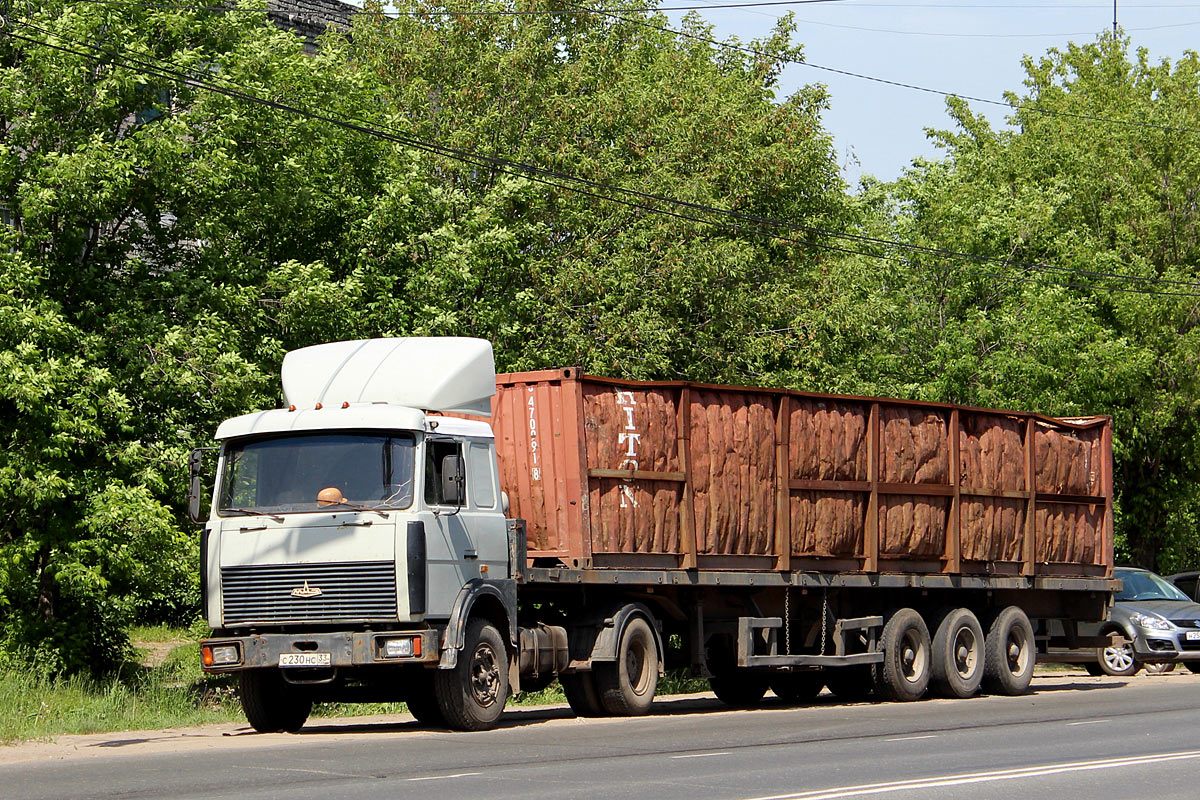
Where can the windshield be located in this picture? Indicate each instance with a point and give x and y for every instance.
(318, 472)
(1147, 586)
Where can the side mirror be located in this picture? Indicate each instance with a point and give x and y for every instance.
(195, 470)
(453, 481)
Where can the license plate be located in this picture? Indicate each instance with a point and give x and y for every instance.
(309, 659)
(1193, 636)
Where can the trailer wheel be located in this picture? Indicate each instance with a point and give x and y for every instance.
(580, 689)
(906, 668)
(270, 703)
(472, 695)
(1009, 653)
(957, 655)
(797, 687)
(421, 699)
(626, 686)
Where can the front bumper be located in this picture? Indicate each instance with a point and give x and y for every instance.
(344, 648)
(1165, 647)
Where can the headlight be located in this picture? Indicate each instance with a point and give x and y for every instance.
(220, 655)
(1150, 622)
(400, 647)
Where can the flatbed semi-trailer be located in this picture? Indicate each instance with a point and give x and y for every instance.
(413, 527)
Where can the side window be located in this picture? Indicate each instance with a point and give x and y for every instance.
(482, 486)
(436, 453)
(1188, 585)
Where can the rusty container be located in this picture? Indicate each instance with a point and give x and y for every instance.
(627, 474)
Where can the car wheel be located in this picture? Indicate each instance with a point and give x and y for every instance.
(1193, 666)
(1159, 669)
(1117, 660)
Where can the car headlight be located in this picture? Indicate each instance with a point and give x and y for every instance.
(1150, 622)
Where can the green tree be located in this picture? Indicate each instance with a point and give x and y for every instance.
(1095, 179)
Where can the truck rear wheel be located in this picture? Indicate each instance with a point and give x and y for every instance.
(270, 703)
(472, 695)
(580, 689)
(1009, 653)
(851, 684)
(957, 655)
(907, 665)
(797, 687)
(739, 688)
(626, 686)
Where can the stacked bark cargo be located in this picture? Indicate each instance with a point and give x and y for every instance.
(674, 475)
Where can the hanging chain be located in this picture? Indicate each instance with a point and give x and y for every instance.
(824, 616)
(787, 619)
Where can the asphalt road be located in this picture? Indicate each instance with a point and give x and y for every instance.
(1074, 736)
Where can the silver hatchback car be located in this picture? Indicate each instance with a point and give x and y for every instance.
(1160, 623)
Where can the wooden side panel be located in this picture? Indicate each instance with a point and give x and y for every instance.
(733, 472)
(722, 477)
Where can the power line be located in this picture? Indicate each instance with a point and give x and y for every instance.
(738, 226)
(618, 14)
(900, 84)
(463, 13)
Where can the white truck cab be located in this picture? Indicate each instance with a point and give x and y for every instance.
(359, 526)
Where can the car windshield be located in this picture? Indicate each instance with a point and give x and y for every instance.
(318, 472)
(1146, 586)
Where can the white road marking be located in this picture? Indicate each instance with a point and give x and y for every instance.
(913, 738)
(1088, 722)
(701, 755)
(983, 777)
(444, 777)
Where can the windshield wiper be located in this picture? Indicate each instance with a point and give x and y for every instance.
(251, 513)
(357, 507)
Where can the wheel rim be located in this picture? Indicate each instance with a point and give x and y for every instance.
(1017, 651)
(966, 652)
(485, 675)
(635, 667)
(1118, 659)
(914, 656)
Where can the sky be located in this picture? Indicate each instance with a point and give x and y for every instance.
(973, 48)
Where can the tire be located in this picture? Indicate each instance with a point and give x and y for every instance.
(422, 702)
(472, 695)
(1193, 666)
(957, 668)
(270, 703)
(851, 684)
(1160, 669)
(797, 687)
(1093, 669)
(907, 659)
(1009, 653)
(626, 686)
(739, 688)
(580, 689)
(1117, 660)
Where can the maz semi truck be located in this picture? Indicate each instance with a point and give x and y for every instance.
(412, 527)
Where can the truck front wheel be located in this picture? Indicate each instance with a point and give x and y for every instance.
(626, 686)
(472, 695)
(270, 703)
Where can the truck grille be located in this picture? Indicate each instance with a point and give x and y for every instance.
(363, 590)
